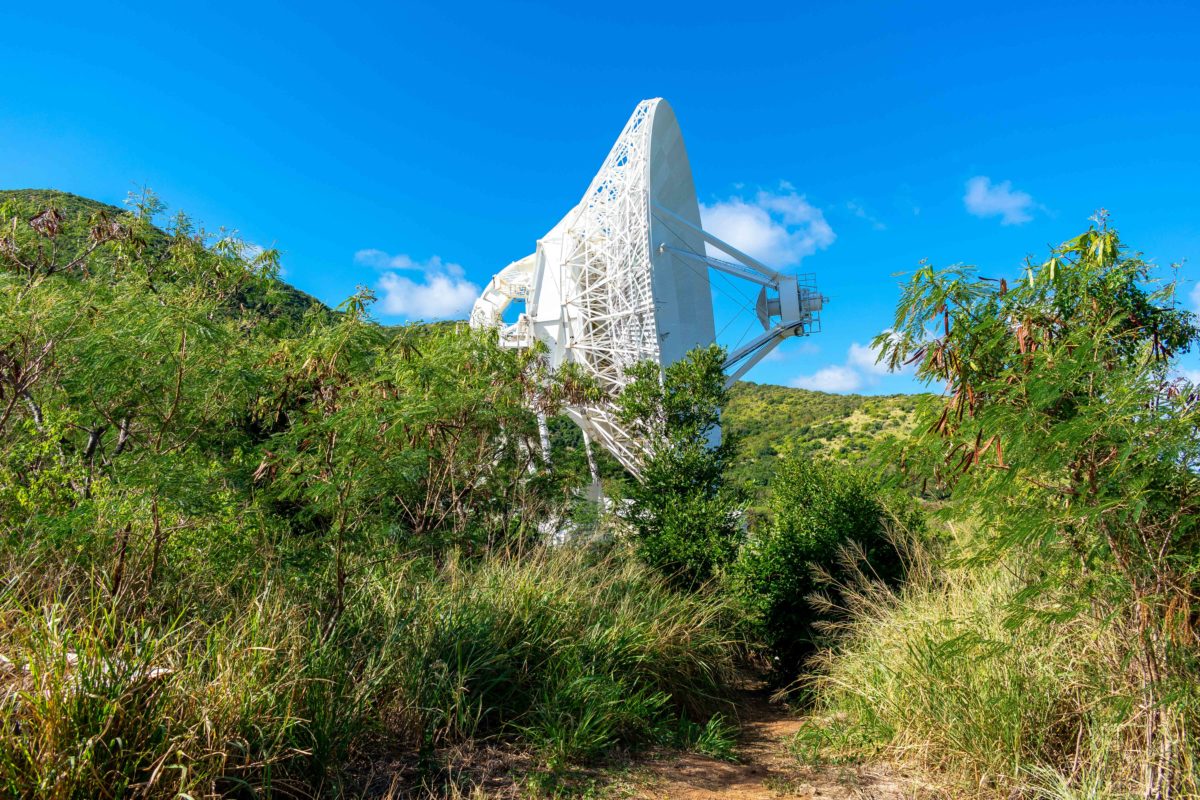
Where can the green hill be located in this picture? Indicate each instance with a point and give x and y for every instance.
(255, 547)
(80, 215)
(771, 420)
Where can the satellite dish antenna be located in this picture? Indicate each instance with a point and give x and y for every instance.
(624, 278)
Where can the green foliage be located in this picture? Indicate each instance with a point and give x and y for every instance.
(685, 510)
(99, 705)
(1064, 433)
(569, 456)
(142, 400)
(819, 511)
(715, 738)
(243, 540)
(932, 674)
(773, 421)
(569, 650)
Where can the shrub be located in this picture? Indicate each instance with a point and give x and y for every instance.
(1065, 429)
(685, 510)
(572, 655)
(817, 510)
(244, 542)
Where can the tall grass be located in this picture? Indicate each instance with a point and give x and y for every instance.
(936, 676)
(97, 705)
(569, 653)
(573, 654)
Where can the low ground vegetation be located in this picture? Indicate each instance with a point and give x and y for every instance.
(938, 677)
(570, 653)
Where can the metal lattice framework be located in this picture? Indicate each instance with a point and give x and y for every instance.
(623, 279)
(610, 313)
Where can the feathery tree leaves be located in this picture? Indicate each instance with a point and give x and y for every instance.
(1064, 431)
(147, 394)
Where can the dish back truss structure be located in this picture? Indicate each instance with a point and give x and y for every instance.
(624, 278)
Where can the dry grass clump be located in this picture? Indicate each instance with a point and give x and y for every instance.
(938, 675)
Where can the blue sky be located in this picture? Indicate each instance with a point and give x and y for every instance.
(849, 139)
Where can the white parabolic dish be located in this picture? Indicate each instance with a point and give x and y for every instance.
(624, 277)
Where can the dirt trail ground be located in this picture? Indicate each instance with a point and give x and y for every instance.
(765, 769)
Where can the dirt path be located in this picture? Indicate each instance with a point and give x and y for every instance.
(765, 769)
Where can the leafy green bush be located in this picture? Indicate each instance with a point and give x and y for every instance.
(245, 538)
(685, 510)
(818, 510)
(156, 401)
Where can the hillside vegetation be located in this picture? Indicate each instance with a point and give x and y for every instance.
(246, 549)
(770, 420)
(256, 547)
(76, 237)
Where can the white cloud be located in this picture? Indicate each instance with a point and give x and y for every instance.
(1194, 296)
(859, 372)
(381, 260)
(983, 199)
(835, 379)
(778, 229)
(863, 357)
(441, 292)
(860, 211)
